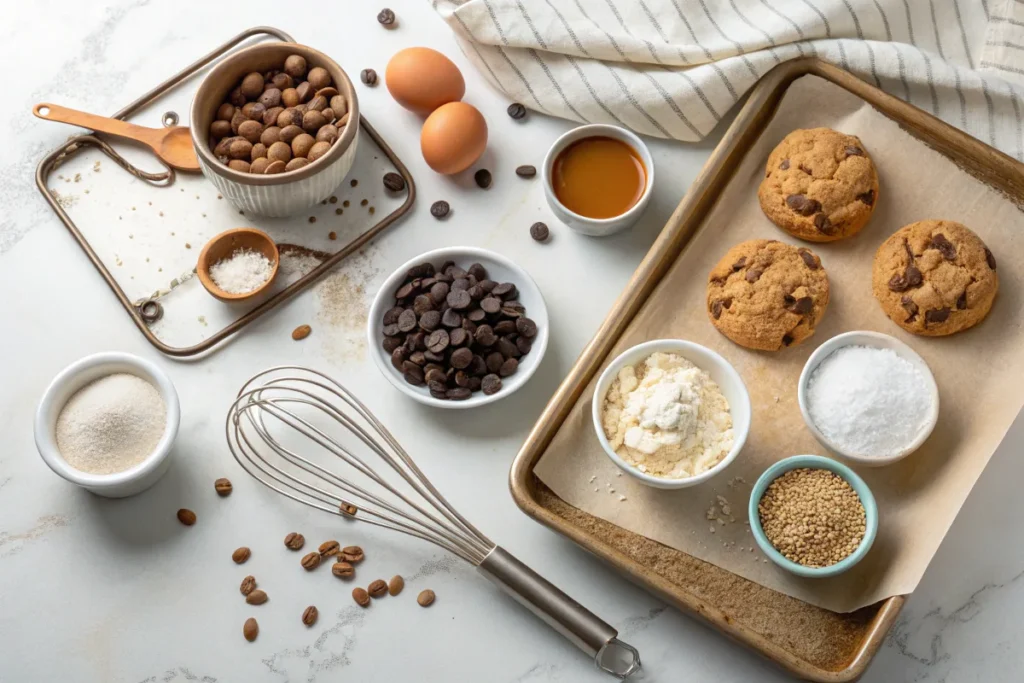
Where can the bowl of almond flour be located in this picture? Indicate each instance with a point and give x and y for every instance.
(107, 422)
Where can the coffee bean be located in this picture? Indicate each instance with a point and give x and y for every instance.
(459, 393)
(369, 77)
(248, 585)
(491, 383)
(328, 548)
(257, 597)
(516, 110)
(378, 588)
(526, 171)
(294, 541)
(241, 555)
(223, 487)
(802, 205)
(186, 517)
(462, 378)
(436, 379)
(438, 340)
(439, 209)
(311, 561)
(395, 585)
(526, 327)
(461, 358)
(539, 232)
(250, 629)
(352, 553)
(398, 357)
(509, 367)
(386, 17)
(482, 178)
(393, 182)
(412, 374)
(426, 598)
(309, 615)
(343, 569)
(509, 310)
(361, 597)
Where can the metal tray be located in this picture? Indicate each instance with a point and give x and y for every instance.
(677, 577)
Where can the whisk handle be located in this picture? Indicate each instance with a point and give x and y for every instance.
(581, 626)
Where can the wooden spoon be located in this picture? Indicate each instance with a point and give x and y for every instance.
(173, 145)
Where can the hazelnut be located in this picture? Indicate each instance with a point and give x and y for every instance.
(318, 77)
(296, 164)
(289, 133)
(259, 150)
(220, 128)
(267, 85)
(328, 115)
(318, 103)
(256, 112)
(270, 135)
(327, 134)
(252, 85)
(318, 150)
(225, 112)
(312, 121)
(270, 116)
(339, 104)
(274, 167)
(300, 145)
(240, 149)
(239, 165)
(281, 81)
(279, 151)
(327, 93)
(289, 97)
(221, 150)
(295, 66)
(238, 119)
(305, 91)
(236, 97)
(270, 98)
(250, 130)
(289, 117)
(247, 109)
(342, 122)
(302, 109)
(259, 165)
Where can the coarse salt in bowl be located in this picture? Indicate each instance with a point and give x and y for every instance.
(873, 340)
(720, 371)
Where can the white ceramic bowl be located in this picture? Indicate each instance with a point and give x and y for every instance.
(499, 269)
(597, 227)
(881, 341)
(720, 370)
(76, 376)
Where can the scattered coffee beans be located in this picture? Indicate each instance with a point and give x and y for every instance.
(248, 585)
(539, 231)
(294, 541)
(377, 588)
(386, 17)
(482, 178)
(186, 517)
(250, 629)
(352, 553)
(328, 548)
(241, 555)
(526, 171)
(393, 182)
(310, 615)
(361, 597)
(451, 328)
(439, 209)
(368, 77)
(395, 585)
(516, 110)
(301, 332)
(343, 570)
(256, 597)
(311, 561)
(223, 487)
(426, 598)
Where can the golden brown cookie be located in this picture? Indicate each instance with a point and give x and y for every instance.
(935, 278)
(767, 295)
(819, 185)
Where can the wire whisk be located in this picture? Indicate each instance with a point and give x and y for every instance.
(304, 435)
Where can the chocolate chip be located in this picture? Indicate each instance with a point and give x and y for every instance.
(439, 209)
(391, 343)
(913, 275)
(461, 358)
(391, 316)
(539, 232)
(801, 306)
(524, 344)
(407, 320)
(413, 374)
(386, 17)
(458, 336)
(482, 178)
(809, 259)
(477, 366)
(485, 336)
(805, 169)
(506, 290)
(854, 151)
(420, 270)
(944, 246)
(511, 310)
(526, 171)
(459, 393)
(493, 361)
(398, 357)
(509, 367)
(990, 259)
(369, 77)
(476, 315)
(393, 182)
(421, 304)
(802, 205)
(462, 378)
(439, 292)
(505, 327)
(507, 348)
(784, 166)
(404, 291)
(739, 264)
(459, 299)
(526, 327)
(491, 384)
(823, 224)
(516, 110)
(477, 271)
(961, 301)
(787, 339)
(490, 305)
(753, 274)
(867, 197)
(430, 320)
(451, 318)
(716, 309)
(460, 283)
(391, 330)
(937, 315)
(910, 307)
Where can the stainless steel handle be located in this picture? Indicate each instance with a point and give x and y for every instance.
(581, 626)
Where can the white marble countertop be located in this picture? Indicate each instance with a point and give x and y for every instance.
(100, 591)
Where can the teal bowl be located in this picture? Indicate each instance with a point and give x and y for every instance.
(820, 463)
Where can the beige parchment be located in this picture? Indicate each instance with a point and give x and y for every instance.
(980, 373)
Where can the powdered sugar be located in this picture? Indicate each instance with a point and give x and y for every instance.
(242, 272)
(868, 401)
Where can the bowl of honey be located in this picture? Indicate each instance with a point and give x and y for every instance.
(598, 179)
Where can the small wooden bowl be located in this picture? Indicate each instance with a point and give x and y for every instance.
(225, 244)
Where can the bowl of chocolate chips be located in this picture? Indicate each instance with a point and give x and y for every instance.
(275, 128)
(458, 327)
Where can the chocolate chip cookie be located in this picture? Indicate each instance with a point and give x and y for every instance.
(820, 185)
(767, 295)
(935, 278)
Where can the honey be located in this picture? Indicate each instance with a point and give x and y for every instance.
(598, 177)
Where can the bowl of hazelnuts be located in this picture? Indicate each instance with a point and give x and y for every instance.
(275, 128)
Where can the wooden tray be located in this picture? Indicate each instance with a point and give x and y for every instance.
(808, 641)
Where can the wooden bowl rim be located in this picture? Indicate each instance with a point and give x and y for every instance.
(203, 265)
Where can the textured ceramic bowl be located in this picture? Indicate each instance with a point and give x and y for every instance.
(881, 341)
(720, 370)
(281, 194)
(821, 463)
(598, 227)
(76, 376)
(499, 269)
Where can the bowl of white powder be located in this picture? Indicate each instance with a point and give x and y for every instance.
(106, 423)
(671, 413)
(868, 398)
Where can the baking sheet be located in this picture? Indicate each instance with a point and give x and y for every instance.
(977, 371)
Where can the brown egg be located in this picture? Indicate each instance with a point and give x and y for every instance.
(421, 79)
(453, 137)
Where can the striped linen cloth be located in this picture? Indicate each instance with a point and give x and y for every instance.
(673, 68)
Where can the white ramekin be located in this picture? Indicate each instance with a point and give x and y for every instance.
(76, 376)
(597, 227)
(720, 370)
